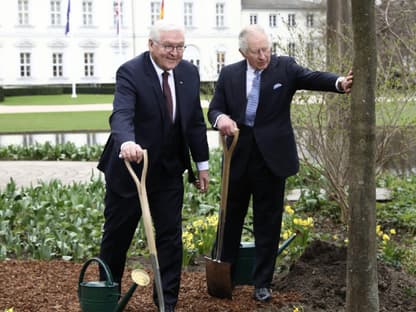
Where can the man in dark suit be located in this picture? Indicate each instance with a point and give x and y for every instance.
(266, 151)
(164, 117)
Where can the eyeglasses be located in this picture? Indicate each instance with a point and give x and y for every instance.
(170, 48)
(265, 51)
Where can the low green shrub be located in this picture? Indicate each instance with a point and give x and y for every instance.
(1, 94)
(47, 151)
(60, 89)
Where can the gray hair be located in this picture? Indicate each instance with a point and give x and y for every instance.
(248, 30)
(161, 26)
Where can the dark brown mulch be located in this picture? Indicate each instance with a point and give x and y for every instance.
(320, 276)
(315, 283)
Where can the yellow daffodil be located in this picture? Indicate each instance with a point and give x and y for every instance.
(289, 210)
(379, 232)
(212, 220)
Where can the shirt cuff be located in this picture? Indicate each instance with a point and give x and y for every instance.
(217, 119)
(337, 82)
(202, 165)
(124, 143)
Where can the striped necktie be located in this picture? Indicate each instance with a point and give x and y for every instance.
(253, 100)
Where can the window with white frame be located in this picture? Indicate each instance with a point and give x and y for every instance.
(192, 55)
(291, 21)
(220, 61)
(25, 66)
(118, 14)
(55, 7)
(88, 64)
(196, 62)
(309, 20)
(23, 12)
(253, 19)
(87, 16)
(273, 20)
(220, 14)
(188, 8)
(57, 65)
(154, 11)
(291, 49)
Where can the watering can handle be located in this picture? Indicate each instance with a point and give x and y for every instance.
(109, 281)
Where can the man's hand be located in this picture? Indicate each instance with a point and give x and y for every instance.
(203, 181)
(346, 83)
(131, 151)
(226, 125)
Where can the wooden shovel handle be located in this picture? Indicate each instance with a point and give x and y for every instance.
(148, 226)
(228, 151)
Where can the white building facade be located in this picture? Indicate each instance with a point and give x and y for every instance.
(36, 49)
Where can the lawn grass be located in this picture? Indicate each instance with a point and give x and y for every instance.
(58, 99)
(59, 121)
(54, 121)
(63, 121)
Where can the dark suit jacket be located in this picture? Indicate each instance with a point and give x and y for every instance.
(140, 115)
(272, 130)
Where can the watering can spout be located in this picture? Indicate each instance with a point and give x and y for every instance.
(140, 278)
(123, 302)
(103, 296)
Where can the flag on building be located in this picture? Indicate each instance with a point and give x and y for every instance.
(68, 10)
(162, 10)
(117, 12)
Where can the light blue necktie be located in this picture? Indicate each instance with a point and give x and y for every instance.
(253, 99)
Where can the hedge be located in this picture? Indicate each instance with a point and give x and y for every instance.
(59, 89)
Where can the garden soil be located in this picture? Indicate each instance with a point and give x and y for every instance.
(316, 282)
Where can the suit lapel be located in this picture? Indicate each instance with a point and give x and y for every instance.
(268, 78)
(239, 86)
(179, 87)
(268, 74)
(156, 88)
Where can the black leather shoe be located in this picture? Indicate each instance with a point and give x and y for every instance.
(262, 294)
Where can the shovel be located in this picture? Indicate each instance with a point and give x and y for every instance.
(148, 226)
(218, 273)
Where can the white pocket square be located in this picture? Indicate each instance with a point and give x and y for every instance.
(276, 86)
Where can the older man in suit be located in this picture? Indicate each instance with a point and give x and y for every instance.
(156, 107)
(254, 95)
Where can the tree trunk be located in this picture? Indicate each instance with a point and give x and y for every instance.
(362, 284)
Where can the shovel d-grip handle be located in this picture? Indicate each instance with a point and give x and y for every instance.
(144, 204)
(228, 152)
(109, 276)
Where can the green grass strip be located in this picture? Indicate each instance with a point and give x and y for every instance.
(54, 121)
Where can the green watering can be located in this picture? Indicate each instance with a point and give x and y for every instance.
(103, 296)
